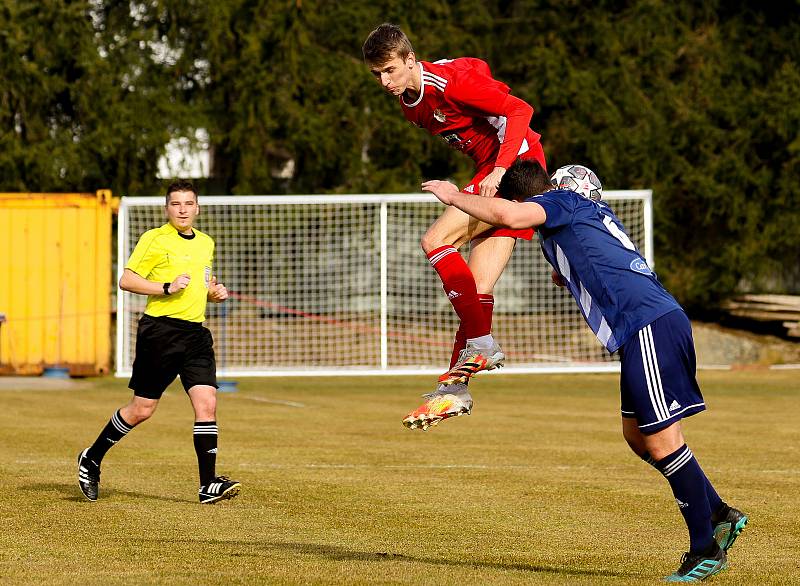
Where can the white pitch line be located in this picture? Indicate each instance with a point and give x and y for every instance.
(784, 367)
(387, 466)
(272, 401)
(776, 472)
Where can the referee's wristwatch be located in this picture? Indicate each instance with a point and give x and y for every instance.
(166, 288)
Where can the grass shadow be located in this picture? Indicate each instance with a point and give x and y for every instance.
(336, 553)
(71, 492)
(342, 554)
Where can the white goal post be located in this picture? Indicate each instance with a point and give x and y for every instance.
(338, 285)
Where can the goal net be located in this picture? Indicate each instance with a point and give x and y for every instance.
(324, 285)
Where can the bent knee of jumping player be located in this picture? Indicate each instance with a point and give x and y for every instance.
(485, 280)
(433, 239)
(429, 243)
(452, 228)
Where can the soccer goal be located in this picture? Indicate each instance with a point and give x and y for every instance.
(338, 285)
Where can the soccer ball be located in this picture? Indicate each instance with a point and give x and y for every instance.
(579, 179)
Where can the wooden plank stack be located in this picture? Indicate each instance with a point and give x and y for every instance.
(769, 308)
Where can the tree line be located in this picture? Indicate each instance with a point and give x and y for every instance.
(698, 101)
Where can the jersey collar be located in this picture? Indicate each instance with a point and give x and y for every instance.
(174, 230)
(421, 88)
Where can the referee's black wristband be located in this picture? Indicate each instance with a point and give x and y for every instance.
(166, 289)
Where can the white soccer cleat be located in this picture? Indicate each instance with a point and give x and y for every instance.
(445, 402)
(472, 360)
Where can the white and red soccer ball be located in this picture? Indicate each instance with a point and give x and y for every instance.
(579, 179)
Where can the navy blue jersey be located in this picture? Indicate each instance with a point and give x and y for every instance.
(615, 289)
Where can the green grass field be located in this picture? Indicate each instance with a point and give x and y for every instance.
(536, 487)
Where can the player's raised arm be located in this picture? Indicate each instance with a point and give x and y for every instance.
(494, 211)
(488, 96)
(518, 116)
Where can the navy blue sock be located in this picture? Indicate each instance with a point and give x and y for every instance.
(689, 484)
(716, 504)
(649, 459)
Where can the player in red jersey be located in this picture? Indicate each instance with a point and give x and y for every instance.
(459, 100)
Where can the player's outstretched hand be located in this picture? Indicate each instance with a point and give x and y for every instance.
(488, 187)
(180, 283)
(216, 291)
(444, 191)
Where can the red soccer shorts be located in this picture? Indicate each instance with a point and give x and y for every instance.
(535, 152)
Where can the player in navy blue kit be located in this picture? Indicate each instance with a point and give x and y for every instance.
(630, 312)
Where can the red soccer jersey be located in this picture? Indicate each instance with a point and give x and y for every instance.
(460, 101)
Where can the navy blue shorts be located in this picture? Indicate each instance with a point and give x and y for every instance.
(658, 385)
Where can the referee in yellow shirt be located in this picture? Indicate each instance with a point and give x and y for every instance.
(172, 266)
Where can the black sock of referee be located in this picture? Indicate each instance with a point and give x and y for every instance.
(205, 445)
(116, 429)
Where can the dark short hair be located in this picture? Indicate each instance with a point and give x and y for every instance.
(181, 185)
(523, 179)
(382, 44)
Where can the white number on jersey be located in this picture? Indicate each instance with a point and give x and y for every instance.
(617, 233)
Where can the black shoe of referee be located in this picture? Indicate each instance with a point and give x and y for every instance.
(88, 476)
(219, 489)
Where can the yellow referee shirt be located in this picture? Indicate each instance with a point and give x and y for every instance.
(162, 254)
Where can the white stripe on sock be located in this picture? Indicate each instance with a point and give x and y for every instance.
(118, 424)
(440, 255)
(679, 462)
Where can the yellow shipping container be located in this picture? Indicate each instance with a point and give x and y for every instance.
(55, 282)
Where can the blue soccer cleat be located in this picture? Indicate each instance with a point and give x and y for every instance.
(728, 526)
(697, 567)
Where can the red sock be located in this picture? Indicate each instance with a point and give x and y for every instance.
(487, 304)
(459, 285)
(458, 345)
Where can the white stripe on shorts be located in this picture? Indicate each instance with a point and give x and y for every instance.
(657, 372)
(653, 378)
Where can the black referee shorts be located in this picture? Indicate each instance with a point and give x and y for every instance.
(167, 347)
